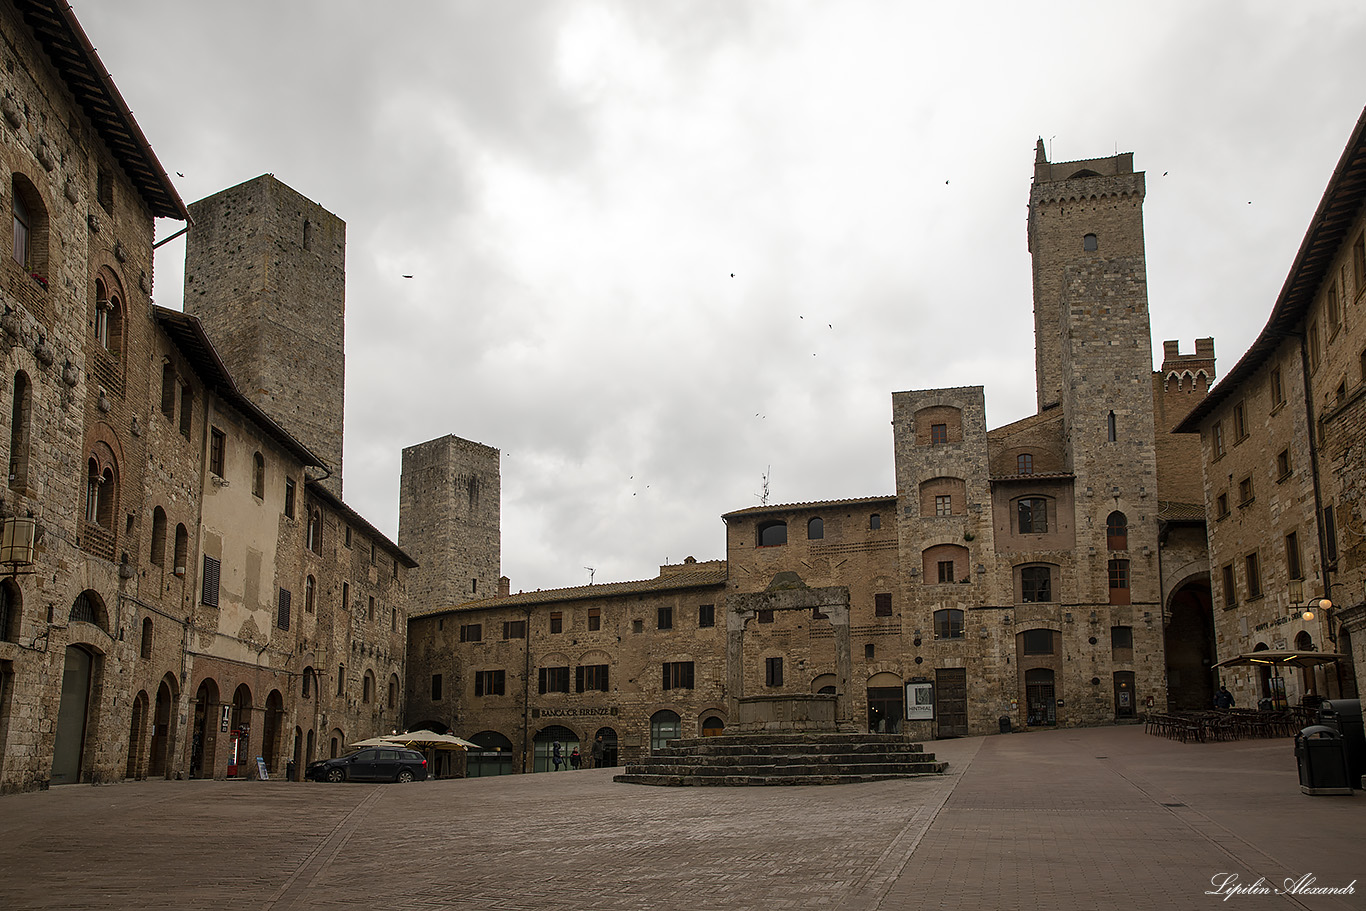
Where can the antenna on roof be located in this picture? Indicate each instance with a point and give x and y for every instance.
(763, 497)
(591, 571)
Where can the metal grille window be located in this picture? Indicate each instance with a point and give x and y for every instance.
(210, 587)
(554, 680)
(83, 609)
(590, 677)
(678, 675)
(282, 616)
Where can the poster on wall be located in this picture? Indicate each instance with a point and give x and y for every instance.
(920, 702)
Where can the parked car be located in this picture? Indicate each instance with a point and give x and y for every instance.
(376, 764)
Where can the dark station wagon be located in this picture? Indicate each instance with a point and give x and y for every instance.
(375, 764)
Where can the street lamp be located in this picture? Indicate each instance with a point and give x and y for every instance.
(1324, 605)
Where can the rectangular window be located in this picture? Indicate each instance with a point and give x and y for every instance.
(210, 587)
(1245, 492)
(1217, 439)
(1119, 581)
(706, 615)
(1313, 333)
(1239, 423)
(436, 687)
(764, 616)
(1036, 584)
(1221, 506)
(1277, 389)
(341, 680)
(346, 596)
(1121, 638)
(556, 621)
(882, 604)
(773, 671)
(282, 615)
(289, 497)
(939, 433)
(1230, 591)
(590, 678)
(637, 626)
(472, 632)
(1038, 642)
(1293, 566)
(1330, 534)
(348, 536)
(393, 619)
(664, 618)
(678, 675)
(1283, 464)
(186, 411)
(168, 388)
(1254, 576)
(514, 629)
(946, 571)
(554, 680)
(489, 683)
(1334, 315)
(948, 623)
(943, 505)
(1033, 515)
(1359, 263)
(217, 443)
(594, 618)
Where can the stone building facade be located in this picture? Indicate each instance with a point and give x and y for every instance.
(180, 591)
(1283, 472)
(1029, 575)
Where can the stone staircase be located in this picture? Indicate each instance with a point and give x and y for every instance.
(740, 760)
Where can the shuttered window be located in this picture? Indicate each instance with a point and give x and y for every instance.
(282, 616)
(210, 596)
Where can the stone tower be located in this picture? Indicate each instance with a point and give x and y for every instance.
(449, 521)
(1094, 354)
(265, 271)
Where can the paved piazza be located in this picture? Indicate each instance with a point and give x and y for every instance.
(1091, 818)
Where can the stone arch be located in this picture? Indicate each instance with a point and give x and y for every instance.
(1189, 641)
(137, 731)
(89, 608)
(164, 718)
(271, 727)
(110, 312)
(204, 729)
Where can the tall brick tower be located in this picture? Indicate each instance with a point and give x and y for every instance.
(1094, 357)
(265, 271)
(449, 521)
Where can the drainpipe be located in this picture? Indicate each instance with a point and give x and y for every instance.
(1314, 474)
(526, 695)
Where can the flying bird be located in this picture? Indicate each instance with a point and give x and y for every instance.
(407, 276)
(179, 174)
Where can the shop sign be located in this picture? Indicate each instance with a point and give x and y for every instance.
(591, 712)
(919, 701)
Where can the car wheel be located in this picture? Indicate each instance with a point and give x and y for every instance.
(405, 775)
(336, 775)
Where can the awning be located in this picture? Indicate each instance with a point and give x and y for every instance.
(1280, 658)
(419, 740)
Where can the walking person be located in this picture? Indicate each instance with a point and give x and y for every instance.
(574, 759)
(555, 755)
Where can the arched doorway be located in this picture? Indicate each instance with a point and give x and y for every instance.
(544, 746)
(609, 747)
(1040, 698)
(713, 726)
(270, 730)
(240, 758)
(69, 746)
(494, 756)
(1309, 688)
(136, 732)
(204, 736)
(664, 726)
(1189, 642)
(886, 704)
(163, 730)
(310, 752)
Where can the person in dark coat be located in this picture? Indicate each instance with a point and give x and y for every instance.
(1223, 699)
(556, 756)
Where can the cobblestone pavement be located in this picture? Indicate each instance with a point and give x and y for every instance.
(1092, 818)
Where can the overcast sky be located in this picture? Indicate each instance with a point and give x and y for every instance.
(661, 248)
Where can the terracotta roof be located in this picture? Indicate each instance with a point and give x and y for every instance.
(1168, 511)
(1034, 476)
(673, 581)
(55, 27)
(824, 504)
(1337, 210)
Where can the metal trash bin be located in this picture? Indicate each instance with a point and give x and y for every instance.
(1344, 716)
(1322, 759)
(1004, 722)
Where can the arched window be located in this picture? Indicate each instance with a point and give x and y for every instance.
(771, 534)
(21, 419)
(1024, 463)
(367, 688)
(88, 608)
(664, 726)
(1089, 243)
(146, 650)
(168, 390)
(307, 682)
(258, 476)
(315, 531)
(108, 316)
(815, 529)
(1111, 429)
(310, 593)
(158, 555)
(1117, 531)
(101, 490)
(182, 549)
(393, 691)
